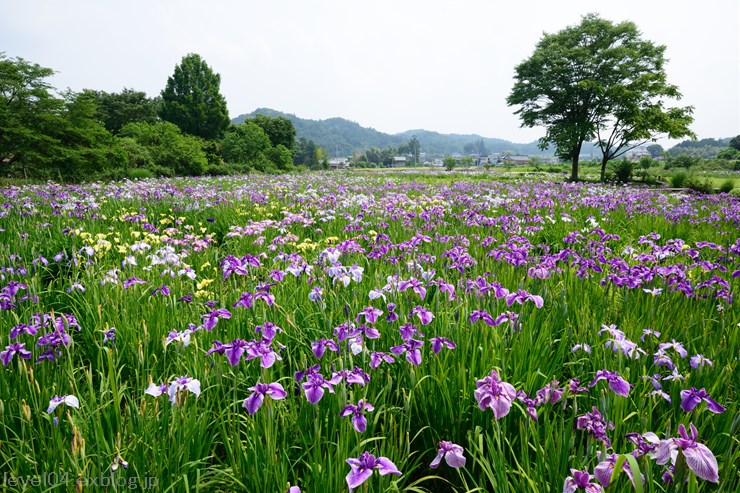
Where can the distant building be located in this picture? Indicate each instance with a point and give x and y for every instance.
(516, 160)
(338, 163)
(399, 161)
(636, 154)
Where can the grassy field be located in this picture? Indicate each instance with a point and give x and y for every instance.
(227, 335)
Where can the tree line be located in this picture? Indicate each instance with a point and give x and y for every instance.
(76, 136)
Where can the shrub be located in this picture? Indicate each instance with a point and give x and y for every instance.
(623, 170)
(727, 186)
(139, 173)
(678, 180)
(698, 185)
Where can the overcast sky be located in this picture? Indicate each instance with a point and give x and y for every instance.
(393, 65)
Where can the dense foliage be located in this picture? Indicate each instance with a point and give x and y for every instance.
(92, 135)
(192, 99)
(597, 81)
(247, 334)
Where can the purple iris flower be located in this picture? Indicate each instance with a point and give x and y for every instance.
(269, 330)
(345, 331)
(408, 331)
(583, 346)
(362, 468)
(411, 348)
(676, 346)
(550, 393)
(21, 329)
(425, 316)
(574, 386)
(482, 315)
(181, 337)
(316, 295)
(493, 392)
(699, 360)
(164, 290)
(603, 471)
(649, 332)
(368, 331)
(371, 314)
(356, 411)
(692, 397)
(699, 458)
(263, 351)
(377, 357)
(56, 401)
(595, 424)
(314, 387)
(218, 347)
(493, 322)
(109, 336)
(319, 347)
(130, 282)
(618, 385)
(356, 376)
(274, 391)
(246, 300)
(521, 296)
(392, 315)
(439, 342)
(452, 453)
(660, 358)
(181, 384)
(233, 350)
(646, 443)
(311, 370)
(531, 404)
(581, 480)
(415, 285)
(210, 319)
(18, 348)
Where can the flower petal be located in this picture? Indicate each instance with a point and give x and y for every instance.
(702, 462)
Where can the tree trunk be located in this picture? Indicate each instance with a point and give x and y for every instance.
(604, 160)
(574, 167)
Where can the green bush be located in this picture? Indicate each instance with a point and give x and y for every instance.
(727, 186)
(699, 185)
(139, 173)
(623, 170)
(678, 180)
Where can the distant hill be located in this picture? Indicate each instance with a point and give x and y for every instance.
(704, 148)
(338, 136)
(341, 137)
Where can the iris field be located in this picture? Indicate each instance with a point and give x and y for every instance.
(335, 332)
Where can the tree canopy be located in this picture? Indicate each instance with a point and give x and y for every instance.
(49, 136)
(597, 81)
(279, 130)
(116, 110)
(163, 149)
(192, 101)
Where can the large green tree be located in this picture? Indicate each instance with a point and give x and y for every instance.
(28, 110)
(50, 136)
(192, 101)
(279, 130)
(245, 144)
(116, 110)
(164, 149)
(415, 149)
(735, 143)
(597, 81)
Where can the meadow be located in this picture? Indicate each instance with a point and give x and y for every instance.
(335, 332)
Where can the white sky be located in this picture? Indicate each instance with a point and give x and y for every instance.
(446, 66)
